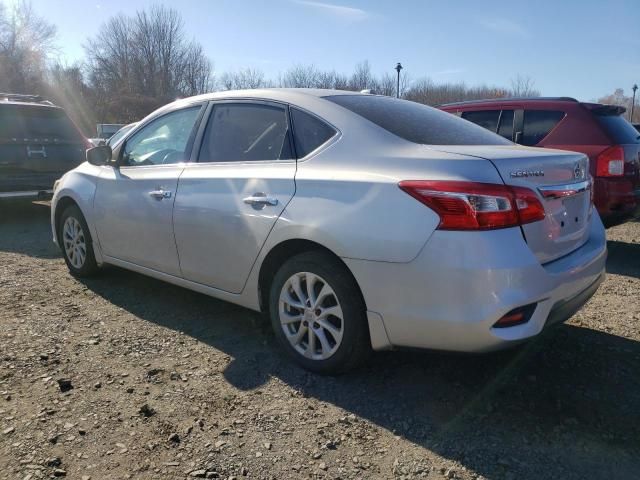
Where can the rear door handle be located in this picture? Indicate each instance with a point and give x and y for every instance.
(260, 199)
(160, 194)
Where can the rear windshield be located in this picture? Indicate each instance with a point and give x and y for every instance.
(32, 122)
(416, 122)
(619, 129)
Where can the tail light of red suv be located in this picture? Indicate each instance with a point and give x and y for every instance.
(610, 162)
(476, 206)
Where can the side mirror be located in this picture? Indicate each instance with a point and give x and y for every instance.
(99, 155)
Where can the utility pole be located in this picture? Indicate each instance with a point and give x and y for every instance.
(397, 69)
(633, 102)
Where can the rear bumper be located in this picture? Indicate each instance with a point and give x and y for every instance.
(462, 283)
(616, 199)
(563, 310)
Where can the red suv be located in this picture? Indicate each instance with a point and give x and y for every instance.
(599, 131)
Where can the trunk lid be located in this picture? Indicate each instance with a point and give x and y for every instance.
(560, 180)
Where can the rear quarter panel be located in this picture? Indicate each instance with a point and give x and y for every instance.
(348, 199)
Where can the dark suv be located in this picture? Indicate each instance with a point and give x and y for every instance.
(38, 144)
(599, 131)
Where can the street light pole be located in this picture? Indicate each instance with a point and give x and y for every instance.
(397, 69)
(633, 102)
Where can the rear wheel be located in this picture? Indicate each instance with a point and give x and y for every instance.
(318, 314)
(75, 242)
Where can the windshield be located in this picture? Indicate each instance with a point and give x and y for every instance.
(120, 133)
(416, 122)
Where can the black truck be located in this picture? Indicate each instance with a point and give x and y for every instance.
(38, 144)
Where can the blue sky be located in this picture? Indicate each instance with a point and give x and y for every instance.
(579, 48)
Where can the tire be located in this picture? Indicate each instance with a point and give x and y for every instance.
(337, 322)
(76, 244)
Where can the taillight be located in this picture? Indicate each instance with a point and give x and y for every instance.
(610, 162)
(476, 206)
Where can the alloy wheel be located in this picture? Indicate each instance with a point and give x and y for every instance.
(311, 316)
(75, 245)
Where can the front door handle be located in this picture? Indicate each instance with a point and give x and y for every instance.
(160, 194)
(260, 200)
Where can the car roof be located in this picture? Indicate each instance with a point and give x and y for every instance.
(308, 98)
(496, 101)
(29, 104)
(274, 93)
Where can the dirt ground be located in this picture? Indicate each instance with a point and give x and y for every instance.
(123, 376)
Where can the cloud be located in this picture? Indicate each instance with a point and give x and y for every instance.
(340, 11)
(505, 26)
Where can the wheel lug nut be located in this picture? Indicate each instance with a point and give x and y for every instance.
(318, 312)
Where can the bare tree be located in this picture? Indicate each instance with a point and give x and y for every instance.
(619, 98)
(136, 64)
(243, 79)
(523, 86)
(26, 42)
(304, 76)
(427, 92)
(362, 78)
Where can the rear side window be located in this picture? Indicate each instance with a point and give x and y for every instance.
(485, 118)
(416, 122)
(241, 132)
(505, 127)
(619, 129)
(538, 124)
(309, 132)
(42, 123)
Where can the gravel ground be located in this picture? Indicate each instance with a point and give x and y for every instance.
(123, 376)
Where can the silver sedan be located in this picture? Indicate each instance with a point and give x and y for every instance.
(355, 221)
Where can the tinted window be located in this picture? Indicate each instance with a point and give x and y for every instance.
(416, 122)
(309, 132)
(538, 124)
(485, 118)
(505, 128)
(619, 129)
(163, 141)
(240, 132)
(44, 123)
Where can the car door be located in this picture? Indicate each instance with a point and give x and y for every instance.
(133, 204)
(229, 200)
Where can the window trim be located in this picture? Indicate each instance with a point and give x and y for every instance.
(195, 156)
(190, 142)
(330, 141)
(513, 122)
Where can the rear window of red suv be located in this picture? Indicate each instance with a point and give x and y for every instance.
(619, 129)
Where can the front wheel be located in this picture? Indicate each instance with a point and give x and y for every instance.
(75, 241)
(318, 314)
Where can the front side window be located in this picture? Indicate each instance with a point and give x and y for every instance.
(416, 122)
(242, 132)
(309, 132)
(164, 141)
(538, 124)
(485, 118)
